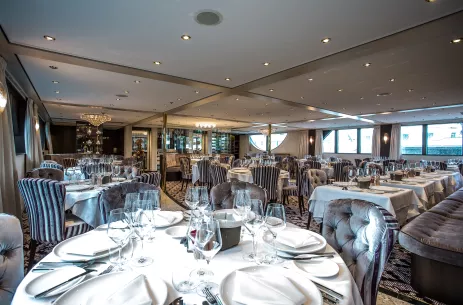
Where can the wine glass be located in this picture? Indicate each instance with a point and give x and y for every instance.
(351, 173)
(192, 197)
(203, 203)
(119, 231)
(253, 221)
(152, 209)
(242, 202)
(208, 241)
(275, 221)
(142, 225)
(70, 173)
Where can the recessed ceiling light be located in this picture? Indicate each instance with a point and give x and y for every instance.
(271, 90)
(378, 104)
(310, 79)
(311, 120)
(126, 92)
(266, 63)
(228, 79)
(49, 38)
(197, 92)
(118, 99)
(410, 90)
(56, 92)
(157, 63)
(186, 37)
(326, 40)
(137, 82)
(392, 80)
(423, 98)
(53, 67)
(55, 82)
(456, 40)
(430, 1)
(362, 98)
(302, 97)
(179, 99)
(383, 94)
(340, 90)
(367, 64)
(387, 112)
(235, 99)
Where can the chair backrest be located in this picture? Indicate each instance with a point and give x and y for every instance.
(317, 177)
(231, 160)
(49, 161)
(442, 166)
(51, 165)
(153, 178)
(218, 174)
(204, 171)
(69, 162)
(185, 167)
(302, 180)
(46, 173)
(11, 257)
(460, 167)
(44, 202)
(339, 174)
(237, 163)
(292, 166)
(267, 178)
(357, 162)
(114, 197)
(364, 235)
(313, 164)
(223, 195)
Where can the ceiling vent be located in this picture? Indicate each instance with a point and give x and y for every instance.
(208, 18)
(121, 95)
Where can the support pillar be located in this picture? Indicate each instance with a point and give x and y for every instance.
(164, 151)
(269, 139)
(154, 149)
(128, 141)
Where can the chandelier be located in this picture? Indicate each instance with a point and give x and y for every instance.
(95, 119)
(205, 125)
(264, 131)
(2, 98)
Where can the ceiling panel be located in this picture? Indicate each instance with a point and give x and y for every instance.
(251, 32)
(189, 122)
(86, 86)
(330, 123)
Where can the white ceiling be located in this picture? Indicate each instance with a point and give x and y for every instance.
(252, 32)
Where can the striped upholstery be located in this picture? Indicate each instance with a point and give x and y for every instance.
(218, 174)
(292, 167)
(153, 178)
(204, 171)
(267, 178)
(231, 160)
(44, 202)
(51, 165)
(313, 164)
(69, 162)
(237, 163)
(363, 234)
(339, 174)
(185, 168)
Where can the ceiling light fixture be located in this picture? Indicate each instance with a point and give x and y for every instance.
(205, 125)
(271, 90)
(118, 99)
(340, 90)
(236, 99)
(53, 67)
(392, 80)
(311, 120)
(228, 79)
(367, 64)
(157, 63)
(410, 90)
(310, 79)
(197, 92)
(186, 37)
(456, 40)
(96, 119)
(266, 63)
(264, 131)
(126, 92)
(57, 92)
(55, 82)
(326, 40)
(49, 38)
(137, 82)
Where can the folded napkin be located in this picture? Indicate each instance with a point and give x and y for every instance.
(266, 289)
(164, 219)
(90, 244)
(133, 292)
(297, 239)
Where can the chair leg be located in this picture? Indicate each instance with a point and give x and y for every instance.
(301, 205)
(32, 248)
(309, 220)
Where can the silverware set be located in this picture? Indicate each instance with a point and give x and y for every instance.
(212, 299)
(303, 258)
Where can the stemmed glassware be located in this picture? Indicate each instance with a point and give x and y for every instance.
(351, 173)
(275, 221)
(192, 197)
(152, 208)
(119, 231)
(203, 203)
(242, 202)
(253, 221)
(70, 173)
(143, 224)
(208, 241)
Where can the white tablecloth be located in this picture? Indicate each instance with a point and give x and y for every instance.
(169, 254)
(426, 192)
(402, 204)
(195, 171)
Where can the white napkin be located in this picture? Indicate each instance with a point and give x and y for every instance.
(297, 239)
(164, 219)
(90, 244)
(266, 289)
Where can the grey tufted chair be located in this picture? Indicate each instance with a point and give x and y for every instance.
(11, 257)
(363, 234)
(317, 177)
(222, 195)
(46, 173)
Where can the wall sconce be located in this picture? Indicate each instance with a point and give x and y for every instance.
(311, 140)
(386, 138)
(37, 126)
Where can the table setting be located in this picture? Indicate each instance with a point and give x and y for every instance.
(287, 265)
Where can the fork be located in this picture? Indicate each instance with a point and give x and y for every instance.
(211, 298)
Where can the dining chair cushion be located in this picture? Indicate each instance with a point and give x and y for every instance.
(69, 162)
(51, 165)
(46, 173)
(218, 174)
(317, 177)
(11, 257)
(153, 178)
(363, 234)
(267, 178)
(185, 168)
(222, 195)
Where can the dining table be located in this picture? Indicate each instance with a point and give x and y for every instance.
(402, 203)
(170, 255)
(427, 191)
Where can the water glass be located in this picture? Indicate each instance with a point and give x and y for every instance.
(253, 221)
(192, 197)
(143, 224)
(119, 231)
(275, 221)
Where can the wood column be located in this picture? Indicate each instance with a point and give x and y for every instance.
(269, 139)
(164, 151)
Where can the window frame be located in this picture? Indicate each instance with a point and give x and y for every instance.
(425, 137)
(252, 142)
(359, 140)
(424, 130)
(357, 144)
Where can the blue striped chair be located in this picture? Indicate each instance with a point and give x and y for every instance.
(267, 178)
(218, 174)
(185, 169)
(300, 189)
(44, 202)
(204, 172)
(51, 165)
(363, 234)
(153, 178)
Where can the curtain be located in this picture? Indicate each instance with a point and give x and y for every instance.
(9, 193)
(395, 142)
(303, 143)
(32, 137)
(376, 143)
(318, 142)
(48, 137)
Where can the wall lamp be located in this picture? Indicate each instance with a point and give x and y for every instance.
(386, 138)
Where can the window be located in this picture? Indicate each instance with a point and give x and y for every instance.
(328, 142)
(366, 140)
(259, 141)
(444, 139)
(411, 140)
(347, 141)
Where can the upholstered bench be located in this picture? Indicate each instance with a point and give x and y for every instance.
(435, 240)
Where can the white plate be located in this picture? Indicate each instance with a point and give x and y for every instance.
(53, 278)
(341, 183)
(409, 183)
(178, 218)
(59, 250)
(177, 231)
(303, 250)
(375, 192)
(107, 284)
(354, 189)
(323, 267)
(118, 179)
(77, 187)
(240, 171)
(305, 286)
(386, 189)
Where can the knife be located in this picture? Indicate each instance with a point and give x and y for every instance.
(44, 293)
(299, 258)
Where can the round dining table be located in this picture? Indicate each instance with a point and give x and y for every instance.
(169, 255)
